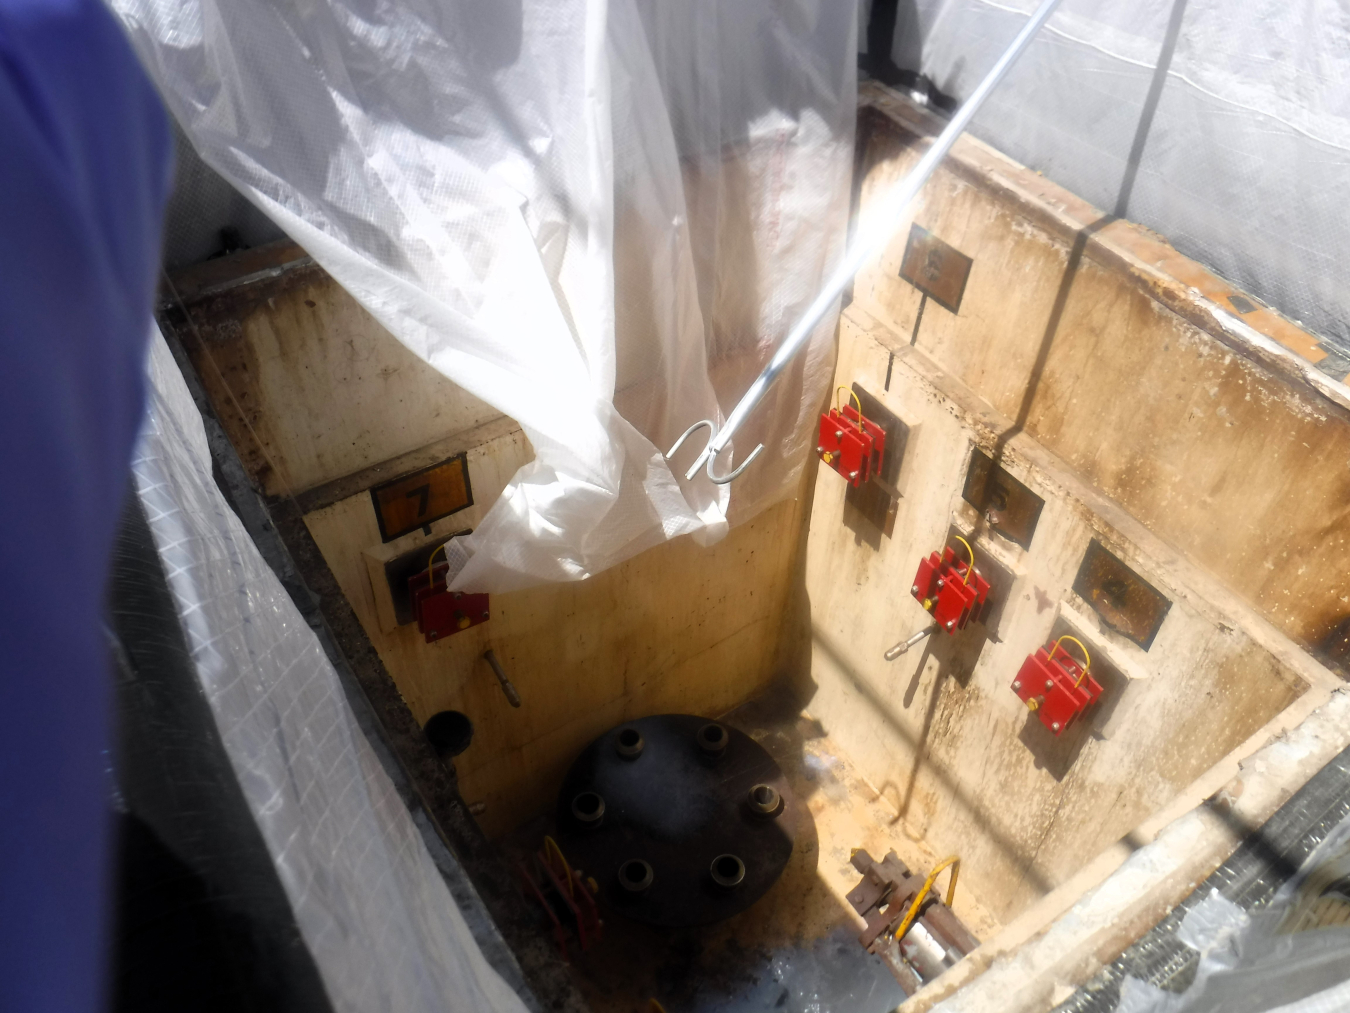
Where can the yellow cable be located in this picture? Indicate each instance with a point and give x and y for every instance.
(1087, 657)
(919, 898)
(550, 843)
(431, 561)
(971, 568)
(855, 401)
(655, 1006)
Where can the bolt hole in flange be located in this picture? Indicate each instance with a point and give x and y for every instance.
(589, 808)
(628, 743)
(635, 875)
(712, 739)
(764, 800)
(727, 871)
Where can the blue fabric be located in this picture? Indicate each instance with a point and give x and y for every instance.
(84, 173)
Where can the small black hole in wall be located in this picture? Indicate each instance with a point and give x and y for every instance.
(449, 733)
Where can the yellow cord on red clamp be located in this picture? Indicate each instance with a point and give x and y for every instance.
(431, 564)
(855, 401)
(1087, 658)
(912, 913)
(551, 848)
(971, 552)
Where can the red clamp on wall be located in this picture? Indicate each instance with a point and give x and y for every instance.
(951, 589)
(440, 611)
(1054, 685)
(850, 443)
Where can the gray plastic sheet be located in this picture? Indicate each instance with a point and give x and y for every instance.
(1292, 956)
(598, 216)
(1244, 157)
(368, 900)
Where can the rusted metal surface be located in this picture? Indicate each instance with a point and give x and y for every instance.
(1126, 602)
(884, 896)
(937, 269)
(1009, 506)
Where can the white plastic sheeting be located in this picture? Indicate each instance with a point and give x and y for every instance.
(1246, 160)
(368, 900)
(1292, 956)
(598, 216)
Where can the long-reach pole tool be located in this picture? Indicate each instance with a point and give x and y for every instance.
(872, 236)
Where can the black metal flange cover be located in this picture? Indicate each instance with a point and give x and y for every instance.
(673, 800)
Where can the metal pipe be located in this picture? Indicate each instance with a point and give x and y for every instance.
(868, 241)
(905, 645)
(507, 688)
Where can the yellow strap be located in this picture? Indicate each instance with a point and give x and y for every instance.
(971, 568)
(855, 401)
(919, 898)
(1087, 657)
(551, 846)
(441, 548)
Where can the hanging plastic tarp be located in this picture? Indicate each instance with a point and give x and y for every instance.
(599, 217)
(370, 905)
(1237, 151)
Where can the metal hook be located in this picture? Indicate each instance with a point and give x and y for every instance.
(712, 433)
(710, 454)
(712, 459)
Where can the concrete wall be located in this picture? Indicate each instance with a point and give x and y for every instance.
(939, 731)
(1130, 363)
(1105, 373)
(323, 403)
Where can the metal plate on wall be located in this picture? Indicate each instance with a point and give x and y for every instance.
(677, 808)
(1010, 507)
(1125, 601)
(937, 269)
(897, 438)
(415, 501)
(876, 500)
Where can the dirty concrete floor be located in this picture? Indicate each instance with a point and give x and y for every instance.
(796, 949)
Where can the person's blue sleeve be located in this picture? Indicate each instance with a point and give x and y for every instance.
(84, 172)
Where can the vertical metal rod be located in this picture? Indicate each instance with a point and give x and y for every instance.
(918, 319)
(873, 235)
(507, 688)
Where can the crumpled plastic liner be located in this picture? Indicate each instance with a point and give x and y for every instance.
(368, 900)
(1267, 961)
(1246, 167)
(598, 216)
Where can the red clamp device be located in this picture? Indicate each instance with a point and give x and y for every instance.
(849, 443)
(952, 590)
(1055, 686)
(440, 611)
